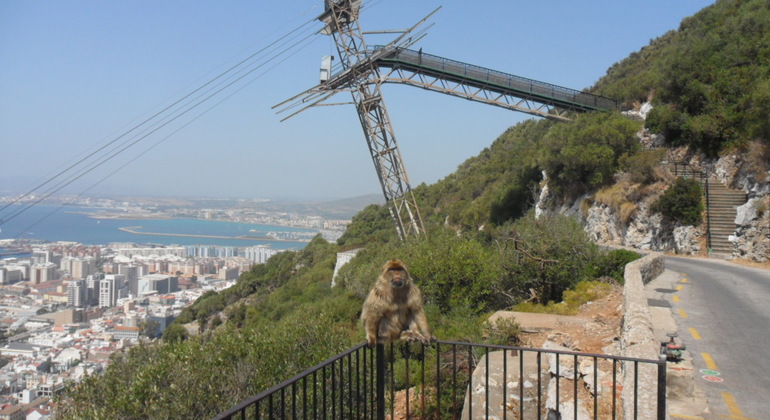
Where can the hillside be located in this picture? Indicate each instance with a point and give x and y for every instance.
(485, 250)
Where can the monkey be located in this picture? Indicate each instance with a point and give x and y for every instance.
(394, 309)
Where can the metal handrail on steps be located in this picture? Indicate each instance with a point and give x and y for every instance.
(688, 169)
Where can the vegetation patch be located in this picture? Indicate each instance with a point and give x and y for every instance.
(584, 292)
(682, 202)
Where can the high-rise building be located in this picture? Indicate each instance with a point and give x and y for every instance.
(42, 256)
(110, 290)
(259, 254)
(76, 293)
(158, 283)
(93, 282)
(41, 273)
(83, 267)
(132, 273)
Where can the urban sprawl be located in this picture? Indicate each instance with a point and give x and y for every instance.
(66, 307)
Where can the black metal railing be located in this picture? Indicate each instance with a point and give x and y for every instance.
(559, 95)
(457, 380)
(687, 171)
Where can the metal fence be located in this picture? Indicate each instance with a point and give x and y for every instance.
(454, 380)
(560, 95)
(687, 171)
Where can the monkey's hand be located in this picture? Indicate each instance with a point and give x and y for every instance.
(427, 340)
(371, 341)
(410, 336)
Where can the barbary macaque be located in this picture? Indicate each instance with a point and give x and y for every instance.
(393, 310)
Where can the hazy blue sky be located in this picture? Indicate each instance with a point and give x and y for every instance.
(76, 74)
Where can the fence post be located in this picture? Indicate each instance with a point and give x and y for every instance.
(662, 387)
(380, 381)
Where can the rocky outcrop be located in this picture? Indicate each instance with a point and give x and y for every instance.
(752, 239)
(646, 230)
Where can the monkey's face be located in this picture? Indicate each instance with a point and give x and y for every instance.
(397, 277)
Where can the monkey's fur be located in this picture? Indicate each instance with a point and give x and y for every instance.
(393, 310)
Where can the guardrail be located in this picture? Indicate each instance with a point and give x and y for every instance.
(445, 67)
(450, 379)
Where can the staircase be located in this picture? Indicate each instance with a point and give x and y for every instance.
(721, 203)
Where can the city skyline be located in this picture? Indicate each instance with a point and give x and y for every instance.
(77, 75)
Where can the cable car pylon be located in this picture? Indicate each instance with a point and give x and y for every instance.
(361, 77)
(363, 70)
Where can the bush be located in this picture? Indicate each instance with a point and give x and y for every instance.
(682, 202)
(641, 166)
(544, 257)
(584, 291)
(587, 152)
(613, 264)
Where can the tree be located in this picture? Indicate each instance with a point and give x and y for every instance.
(587, 152)
(175, 332)
(682, 202)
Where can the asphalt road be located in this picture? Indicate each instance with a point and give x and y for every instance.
(723, 313)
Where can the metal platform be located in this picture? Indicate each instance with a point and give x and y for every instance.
(485, 85)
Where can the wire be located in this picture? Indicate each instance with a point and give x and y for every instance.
(28, 228)
(202, 91)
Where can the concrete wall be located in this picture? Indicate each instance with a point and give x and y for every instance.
(637, 338)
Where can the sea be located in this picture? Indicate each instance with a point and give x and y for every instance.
(57, 223)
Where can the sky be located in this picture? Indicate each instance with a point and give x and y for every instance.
(76, 75)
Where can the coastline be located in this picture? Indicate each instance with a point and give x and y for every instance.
(123, 216)
(188, 235)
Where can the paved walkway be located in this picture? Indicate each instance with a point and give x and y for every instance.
(685, 400)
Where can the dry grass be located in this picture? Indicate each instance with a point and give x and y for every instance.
(758, 159)
(627, 211)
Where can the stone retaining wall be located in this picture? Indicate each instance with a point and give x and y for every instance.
(637, 338)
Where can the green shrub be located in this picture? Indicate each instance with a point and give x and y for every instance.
(587, 151)
(504, 331)
(584, 291)
(613, 264)
(545, 257)
(641, 166)
(682, 202)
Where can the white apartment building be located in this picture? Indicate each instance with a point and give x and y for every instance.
(110, 290)
(259, 254)
(41, 273)
(79, 267)
(77, 293)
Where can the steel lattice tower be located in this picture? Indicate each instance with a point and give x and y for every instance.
(363, 81)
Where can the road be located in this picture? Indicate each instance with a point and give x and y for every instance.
(723, 314)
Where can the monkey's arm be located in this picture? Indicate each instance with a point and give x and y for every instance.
(418, 322)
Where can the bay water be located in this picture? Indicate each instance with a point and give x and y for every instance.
(68, 223)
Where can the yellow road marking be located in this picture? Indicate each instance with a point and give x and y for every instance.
(676, 298)
(709, 361)
(732, 407)
(684, 280)
(694, 334)
(678, 288)
(682, 313)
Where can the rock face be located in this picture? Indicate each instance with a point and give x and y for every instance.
(501, 390)
(644, 231)
(648, 231)
(752, 239)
